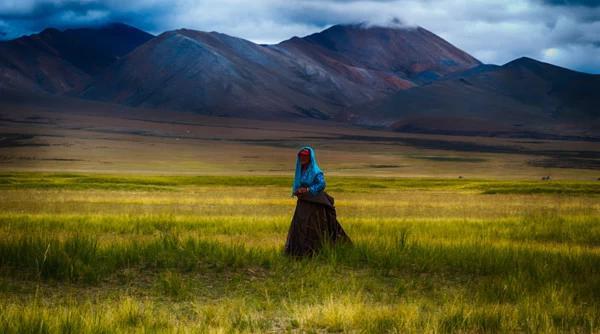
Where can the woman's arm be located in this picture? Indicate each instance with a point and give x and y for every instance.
(318, 184)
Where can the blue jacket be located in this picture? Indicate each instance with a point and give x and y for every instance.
(317, 185)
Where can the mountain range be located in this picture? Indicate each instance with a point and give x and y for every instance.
(401, 78)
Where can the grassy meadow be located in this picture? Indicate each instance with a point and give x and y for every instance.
(117, 253)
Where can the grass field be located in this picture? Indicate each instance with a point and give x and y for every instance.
(119, 253)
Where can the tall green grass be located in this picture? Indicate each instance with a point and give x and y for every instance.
(434, 256)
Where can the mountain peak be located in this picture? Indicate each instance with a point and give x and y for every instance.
(537, 66)
(393, 24)
(366, 28)
(118, 25)
(410, 52)
(71, 55)
(115, 27)
(364, 25)
(48, 31)
(523, 61)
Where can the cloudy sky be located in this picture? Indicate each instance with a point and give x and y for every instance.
(562, 32)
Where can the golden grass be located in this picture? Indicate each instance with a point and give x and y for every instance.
(429, 257)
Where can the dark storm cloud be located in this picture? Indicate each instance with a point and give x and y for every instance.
(562, 32)
(31, 16)
(587, 3)
(44, 10)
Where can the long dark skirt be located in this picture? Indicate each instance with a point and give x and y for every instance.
(314, 223)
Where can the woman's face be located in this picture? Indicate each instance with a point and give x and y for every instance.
(304, 159)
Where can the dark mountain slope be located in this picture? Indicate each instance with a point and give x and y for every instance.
(210, 73)
(562, 93)
(56, 61)
(93, 49)
(524, 95)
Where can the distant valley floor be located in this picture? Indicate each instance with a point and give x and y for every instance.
(96, 137)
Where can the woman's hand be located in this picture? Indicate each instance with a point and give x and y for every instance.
(301, 191)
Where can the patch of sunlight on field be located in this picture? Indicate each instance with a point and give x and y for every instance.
(89, 253)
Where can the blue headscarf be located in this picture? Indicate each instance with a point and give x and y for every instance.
(312, 170)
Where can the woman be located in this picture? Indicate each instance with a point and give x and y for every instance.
(314, 221)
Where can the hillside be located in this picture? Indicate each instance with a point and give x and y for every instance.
(523, 96)
(214, 73)
(58, 62)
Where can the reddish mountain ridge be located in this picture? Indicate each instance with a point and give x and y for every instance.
(411, 53)
(215, 73)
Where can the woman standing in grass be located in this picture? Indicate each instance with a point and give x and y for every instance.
(315, 221)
